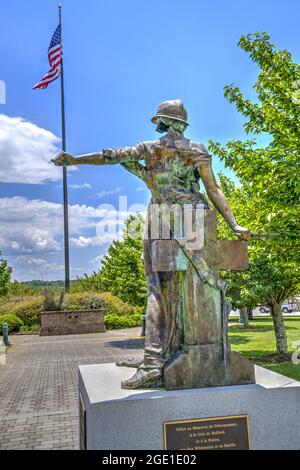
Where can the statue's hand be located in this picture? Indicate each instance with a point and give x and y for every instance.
(64, 159)
(242, 232)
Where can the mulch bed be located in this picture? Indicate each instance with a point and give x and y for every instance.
(275, 358)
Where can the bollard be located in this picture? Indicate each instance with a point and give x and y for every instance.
(5, 341)
(143, 332)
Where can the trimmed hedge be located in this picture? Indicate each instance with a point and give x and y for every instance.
(83, 300)
(116, 305)
(30, 330)
(27, 309)
(115, 322)
(117, 314)
(14, 323)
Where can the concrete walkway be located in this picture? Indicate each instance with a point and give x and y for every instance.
(38, 384)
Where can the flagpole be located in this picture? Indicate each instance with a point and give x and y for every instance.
(65, 180)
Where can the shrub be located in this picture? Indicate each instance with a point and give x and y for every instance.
(94, 302)
(140, 310)
(84, 300)
(87, 283)
(110, 303)
(5, 273)
(14, 323)
(114, 321)
(28, 309)
(20, 289)
(53, 302)
(75, 300)
(30, 330)
(114, 305)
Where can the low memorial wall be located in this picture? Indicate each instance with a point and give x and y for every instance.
(72, 322)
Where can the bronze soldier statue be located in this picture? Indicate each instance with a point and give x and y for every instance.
(186, 321)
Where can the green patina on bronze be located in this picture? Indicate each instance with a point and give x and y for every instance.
(186, 341)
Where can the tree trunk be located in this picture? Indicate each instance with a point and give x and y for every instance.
(250, 313)
(279, 328)
(245, 317)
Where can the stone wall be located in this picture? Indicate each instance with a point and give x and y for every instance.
(71, 323)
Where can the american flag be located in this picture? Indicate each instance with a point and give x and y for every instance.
(55, 59)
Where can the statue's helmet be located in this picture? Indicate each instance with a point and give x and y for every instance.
(171, 109)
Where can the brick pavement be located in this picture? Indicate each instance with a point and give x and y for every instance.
(38, 385)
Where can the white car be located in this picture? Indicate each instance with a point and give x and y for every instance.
(285, 308)
(288, 308)
(264, 309)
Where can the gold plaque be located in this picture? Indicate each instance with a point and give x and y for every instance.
(222, 433)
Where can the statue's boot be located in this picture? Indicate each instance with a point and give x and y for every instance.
(130, 362)
(151, 378)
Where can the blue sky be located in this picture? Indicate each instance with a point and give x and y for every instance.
(121, 60)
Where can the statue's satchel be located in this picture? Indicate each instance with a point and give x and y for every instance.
(167, 256)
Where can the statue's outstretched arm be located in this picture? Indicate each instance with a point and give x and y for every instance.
(106, 157)
(217, 197)
(65, 159)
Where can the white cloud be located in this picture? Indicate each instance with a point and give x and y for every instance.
(107, 193)
(83, 242)
(28, 260)
(31, 234)
(97, 261)
(141, 188)
(28, 267)
(80, 186)
(30, 226)
(35, 226)
(26, 151)
(98, 240)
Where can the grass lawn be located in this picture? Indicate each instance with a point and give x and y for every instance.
(259, 341)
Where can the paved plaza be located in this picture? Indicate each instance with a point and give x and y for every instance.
(38, 385)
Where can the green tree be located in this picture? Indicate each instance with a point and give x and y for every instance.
(122, 271)
(5, 273)
(234, 293)
(269, 175)
(268, 280)
(237, 281)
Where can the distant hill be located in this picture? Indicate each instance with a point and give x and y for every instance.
(39, 284)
